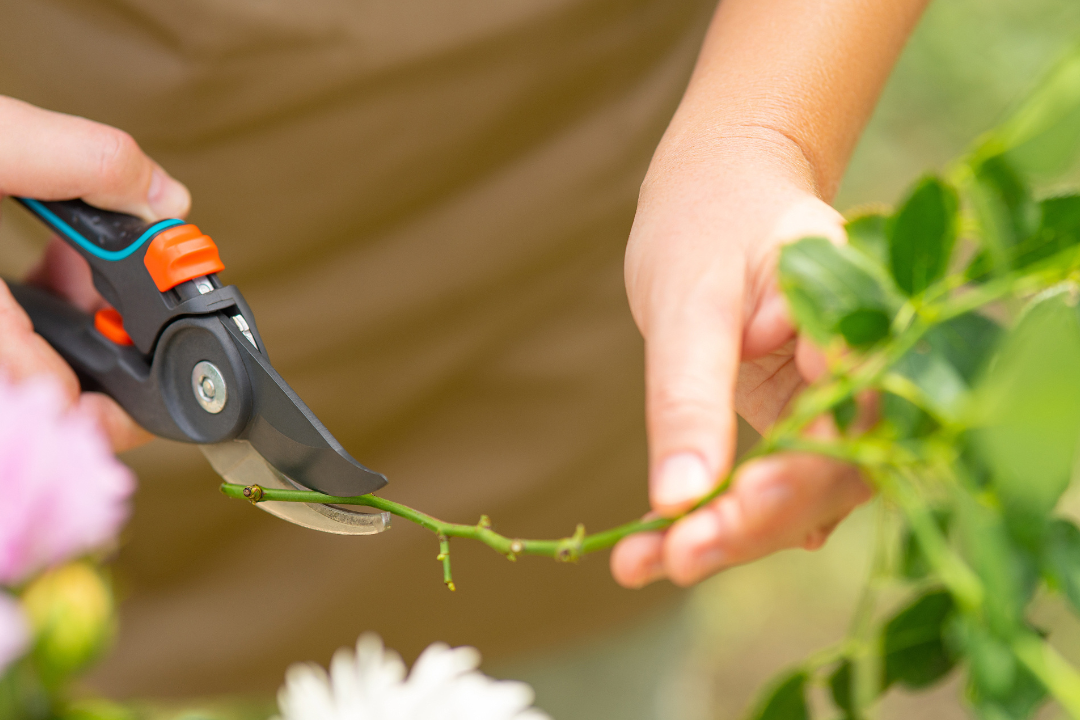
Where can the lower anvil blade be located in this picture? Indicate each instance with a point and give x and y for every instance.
(240, 463)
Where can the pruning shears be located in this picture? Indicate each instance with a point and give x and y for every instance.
(181, 353)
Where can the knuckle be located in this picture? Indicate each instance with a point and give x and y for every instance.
(692, 400)
(115, 154)
(816, 538)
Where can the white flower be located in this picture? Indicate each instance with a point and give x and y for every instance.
(371, 685)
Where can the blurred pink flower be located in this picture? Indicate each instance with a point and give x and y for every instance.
(14, 631)
(62, 493)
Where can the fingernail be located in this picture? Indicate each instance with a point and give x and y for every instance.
(167, 197)
(682, 479)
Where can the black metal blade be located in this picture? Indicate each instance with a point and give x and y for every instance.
(289, 436)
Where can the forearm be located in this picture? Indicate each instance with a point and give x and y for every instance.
(798, 76)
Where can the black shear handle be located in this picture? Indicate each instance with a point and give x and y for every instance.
(125, 252)
(100, 364)
(113, 243)
(116, 247)
(107, 232)
(155, 391)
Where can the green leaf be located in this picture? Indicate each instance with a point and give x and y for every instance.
(949, 359)
(1006, 212)
(1031, 400)
(921, 235)
(1058, 230)
(992, 665)
(1061, 559)
(866, 233)
(989, 551)
(941, 383)
(787, 700)
(967, 342)
(913, 563)
(1043, 134)
(840, 688)
(1013, 192)
(915, 653)
(913, 642)
(906, 419)
(864, 327)
(980, 267)
(825, 283)
(844, 413)
(1019, 702)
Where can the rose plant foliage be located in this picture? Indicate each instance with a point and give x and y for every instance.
(959, 314)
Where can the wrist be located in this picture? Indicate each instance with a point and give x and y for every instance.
(734, 159)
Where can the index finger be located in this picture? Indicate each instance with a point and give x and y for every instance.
(52, 156)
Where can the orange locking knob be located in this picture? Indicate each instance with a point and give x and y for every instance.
(109, 323)
(179, 254)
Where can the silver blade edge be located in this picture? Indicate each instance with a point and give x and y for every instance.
(239, 462)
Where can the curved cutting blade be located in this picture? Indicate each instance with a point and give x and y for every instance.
(291, 439)
(239, 462)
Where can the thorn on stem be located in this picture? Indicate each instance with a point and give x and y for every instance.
(254, 493)
(569, 549)
(485, 522)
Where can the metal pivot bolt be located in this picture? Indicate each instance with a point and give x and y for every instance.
(209, 387)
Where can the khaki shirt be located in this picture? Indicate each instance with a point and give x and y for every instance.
(425, 203)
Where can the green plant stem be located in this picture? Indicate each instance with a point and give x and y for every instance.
(566, 549)
(859, 373)
(961, 581)
(784, 436)
(444, 556)
(863, 639)
(1053, 671)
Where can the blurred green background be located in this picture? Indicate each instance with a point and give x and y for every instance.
(968, 62)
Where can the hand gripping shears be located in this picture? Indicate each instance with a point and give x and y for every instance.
(181, 353)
